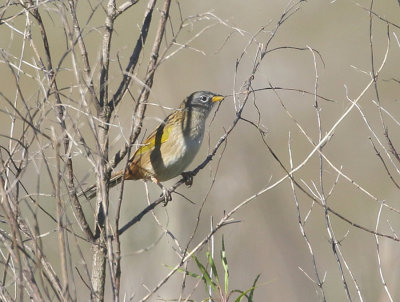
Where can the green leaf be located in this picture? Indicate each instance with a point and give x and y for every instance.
(213, 268)
(225, 266)
(253, 288)
(244, 293)
(206, 277)
(191, 274)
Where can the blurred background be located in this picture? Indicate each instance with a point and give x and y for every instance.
(267, 239)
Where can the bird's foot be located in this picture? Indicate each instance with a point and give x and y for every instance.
(187, 178)
(166, 195)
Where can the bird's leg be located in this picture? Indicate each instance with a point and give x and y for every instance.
(166, 194)
(187, 178)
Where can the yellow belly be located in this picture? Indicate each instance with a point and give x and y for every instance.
(174, 155)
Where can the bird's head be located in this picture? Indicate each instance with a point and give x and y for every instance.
(202, 100)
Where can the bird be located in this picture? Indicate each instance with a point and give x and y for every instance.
(171, 147)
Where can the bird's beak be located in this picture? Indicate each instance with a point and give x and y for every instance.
(217, 98)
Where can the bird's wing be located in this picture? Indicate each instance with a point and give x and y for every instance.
(156, 138)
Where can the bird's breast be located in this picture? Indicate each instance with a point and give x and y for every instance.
(179, 151)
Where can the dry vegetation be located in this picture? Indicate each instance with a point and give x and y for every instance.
(301, 174)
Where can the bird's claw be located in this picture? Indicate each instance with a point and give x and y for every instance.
(187, 178)
(167, 196)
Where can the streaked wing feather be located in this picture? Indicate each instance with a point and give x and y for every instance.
(150, 141)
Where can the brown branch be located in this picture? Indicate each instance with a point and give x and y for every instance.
(60, 220)
(105, 57)
(61, 117)
(25, 277)
(124, 7)
(127, 78)
(124, 85)
(371, 12)
(384, 165)
(84, 54)
(115, 259)
(392, 148)
(329, 209)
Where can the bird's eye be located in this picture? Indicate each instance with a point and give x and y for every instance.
(204, 99)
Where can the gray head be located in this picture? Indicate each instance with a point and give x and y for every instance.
(202, 100)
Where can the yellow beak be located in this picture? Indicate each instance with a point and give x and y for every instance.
(217, 98)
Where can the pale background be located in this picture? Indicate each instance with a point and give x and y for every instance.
(267, 240)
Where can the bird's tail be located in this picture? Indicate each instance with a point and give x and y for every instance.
(91, 191)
